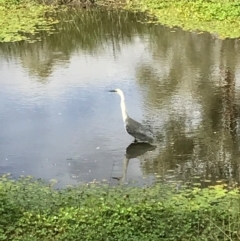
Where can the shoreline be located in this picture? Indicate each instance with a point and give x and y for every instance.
(219, 18)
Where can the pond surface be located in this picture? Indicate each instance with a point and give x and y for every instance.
(58, 120)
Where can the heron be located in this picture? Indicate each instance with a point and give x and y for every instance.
(140, 132)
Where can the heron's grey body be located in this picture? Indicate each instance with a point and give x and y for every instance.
(140, 132)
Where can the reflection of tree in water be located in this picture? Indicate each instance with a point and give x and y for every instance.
(185, 66)
(38, 58)
(86, 32)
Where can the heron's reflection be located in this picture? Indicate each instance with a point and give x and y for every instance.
(132, 151)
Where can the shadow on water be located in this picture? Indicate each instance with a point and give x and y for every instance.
(134, 150)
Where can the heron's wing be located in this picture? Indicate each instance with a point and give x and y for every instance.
(138, 126)
(137, 130)
(136, 133)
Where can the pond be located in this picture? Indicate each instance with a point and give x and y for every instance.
(58, 120)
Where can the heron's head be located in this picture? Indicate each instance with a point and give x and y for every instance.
(118, 91)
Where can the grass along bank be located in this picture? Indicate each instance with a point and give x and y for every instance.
(21, 19)
(32, 210)
(220, 17)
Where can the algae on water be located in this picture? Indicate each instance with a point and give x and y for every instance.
(20, 19)
(220, 17)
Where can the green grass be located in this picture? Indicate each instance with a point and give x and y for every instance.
(22, 19)
(32, 210)
(220, 17)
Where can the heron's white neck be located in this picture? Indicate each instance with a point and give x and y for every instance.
(123, 108)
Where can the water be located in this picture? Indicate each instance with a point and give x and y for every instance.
(58, 120)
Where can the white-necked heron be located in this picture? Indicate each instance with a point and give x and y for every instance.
(140, 132)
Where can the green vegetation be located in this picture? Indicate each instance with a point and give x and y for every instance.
(220, 17)
(33, 210)
(21, 19)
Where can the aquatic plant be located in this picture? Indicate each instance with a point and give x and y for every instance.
(220, 17)
(33, 210)
(22, 19)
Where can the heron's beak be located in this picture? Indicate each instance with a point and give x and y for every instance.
(112, 91)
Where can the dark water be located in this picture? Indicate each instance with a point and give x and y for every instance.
(57, 119)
